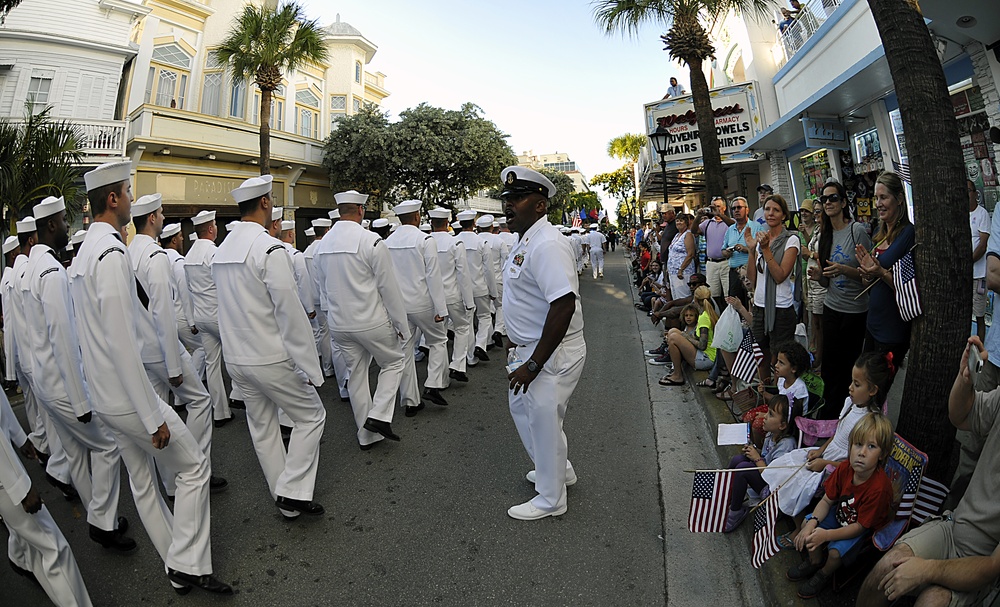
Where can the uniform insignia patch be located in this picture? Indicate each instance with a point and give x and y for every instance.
(519, 259)
(49, 271)
(275, 248)
(511, 177)
(111, 250)
(154, 253)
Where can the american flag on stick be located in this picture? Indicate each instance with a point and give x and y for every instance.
(577, 222)
(928, 500)
(765, 543)
(904, 276)
(710, 501)
(748, 358)
(903, 170)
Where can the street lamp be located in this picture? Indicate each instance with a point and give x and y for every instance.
(660, 139)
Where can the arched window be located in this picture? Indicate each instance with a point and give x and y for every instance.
(357, 72)
(169, 70)
(307, 113)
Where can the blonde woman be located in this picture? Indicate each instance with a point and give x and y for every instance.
(693, 349)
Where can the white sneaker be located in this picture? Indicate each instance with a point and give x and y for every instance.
(570, 477)
(528, 512)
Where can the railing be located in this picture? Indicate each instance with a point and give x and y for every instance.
(101, 137)
(374, 80)
(809, 19)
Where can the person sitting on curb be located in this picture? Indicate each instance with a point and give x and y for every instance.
(670, 313)
(696, 350)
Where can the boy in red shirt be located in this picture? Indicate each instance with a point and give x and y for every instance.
(857, 501)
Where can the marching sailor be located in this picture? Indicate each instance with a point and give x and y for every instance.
(484, 227)
(172, 241)
(340, 366)
(320, 326)
(597, 243)
(479, 263)
(457, 290)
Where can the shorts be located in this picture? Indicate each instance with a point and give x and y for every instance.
(815, 298)
(978, 299)
(717, 276)
(702, 362)
(935, 540)
(784, 327)
(841, 546)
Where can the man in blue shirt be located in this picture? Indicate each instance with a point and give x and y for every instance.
(735, 249)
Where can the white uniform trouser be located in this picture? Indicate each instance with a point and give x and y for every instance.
(266, 389)
(461, 321)
(43, 550)
(360, 347)
(193, 344)
(94, 462)
(210, 341)
(44, 431)
(340, 367)
(597, 261)
(182, 539)
(484, 329)
(538, 415)
(321, 333)
(579, 262)
(499, 326)
(437, 357)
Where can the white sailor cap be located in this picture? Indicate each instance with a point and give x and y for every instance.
(496, 224)
(456, 225)
(147, 204)
(466, 215)
(381, 222)
(26, 225)
(502, 220)
(106, 174)
(322, 222)
(407, 206)
(193, 236)
(79, 236)
(522, 180)
(393, 227)
(485, 221)
(351, 197)
(564, 229)
(49, 206)
(252, 188)
(277, 213)
(425, 227)
(69, 248)
(287, 225)
(439, 213)
(170, 231)
(365, 223)
(203, 217)
(232, 225)
(310, 232)
(10, 244)
(334, 214)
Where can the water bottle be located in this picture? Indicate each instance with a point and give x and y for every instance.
(513, 361)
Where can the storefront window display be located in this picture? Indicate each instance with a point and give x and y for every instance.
(814, 170)
(973, 131)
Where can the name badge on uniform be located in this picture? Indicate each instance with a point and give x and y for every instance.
(514, 269)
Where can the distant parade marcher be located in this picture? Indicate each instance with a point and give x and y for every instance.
(205, 309)
(415, 260)
(340, 366)
(269, 350)
(598, 244)
(366, 313)
(303, 282)
(545, 325)
(577, 249)
(172, 241)
(479, 264)
(167, 363)
(146, 428)
(58, 372)
(484, 227)
(37, 548)
(320, 327)
(457, 289)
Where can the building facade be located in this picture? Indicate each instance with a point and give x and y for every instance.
(556, 161)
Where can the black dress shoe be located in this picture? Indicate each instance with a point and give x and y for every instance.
(222, 422)
(217, 484)
(458, 375)
(292, 508)
(43, 457)
(424, 349)
(112, 540)
(434, 395)
(24, 573)
(497, 339)
(69, 492)
(369, 446)
(380, 427)
(345, 399)
(122, 524)
(187, 581)
(237, 404)
(410, 412)
(481, 354)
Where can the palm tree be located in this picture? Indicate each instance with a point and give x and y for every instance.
(39, 157)
(263, 44)
(686, 41)
(5, 7)
(627, 147)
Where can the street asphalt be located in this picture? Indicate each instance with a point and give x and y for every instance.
(423, 521)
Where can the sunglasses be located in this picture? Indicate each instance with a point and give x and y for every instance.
(830, 198)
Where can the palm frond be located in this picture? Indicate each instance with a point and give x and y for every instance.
(628, 16)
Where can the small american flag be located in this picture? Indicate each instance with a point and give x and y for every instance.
(748, 358)
(907, 297)
(577, 222)
(765, 544)
(903, 170)
(928, 500)
(709, 501)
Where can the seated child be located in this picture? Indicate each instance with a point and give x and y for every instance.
(791, 362)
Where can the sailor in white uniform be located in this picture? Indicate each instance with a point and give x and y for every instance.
(366, 314)
(146, 428)
(415, 260)
(205, 309)
(484, 229)
(58, 372)
(38, 548)
(578, 249)
(270, 352)
(479, 263)
(320, 326)
(303, 282)
(340, 366)
(545, 326)
(172, 241)
(457, 290)
(598, 243)
(506, 240)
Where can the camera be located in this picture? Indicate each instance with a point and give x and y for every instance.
(706, 211)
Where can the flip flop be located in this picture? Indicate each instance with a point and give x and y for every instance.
(785, 542)
(666, 381)
(706, 383)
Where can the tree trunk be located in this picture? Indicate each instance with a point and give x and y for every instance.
(265, 132)
(941, 211)
(715, 184)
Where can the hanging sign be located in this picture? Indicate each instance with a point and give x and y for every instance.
(829, 134)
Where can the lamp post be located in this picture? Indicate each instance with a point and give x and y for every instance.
(660, 140)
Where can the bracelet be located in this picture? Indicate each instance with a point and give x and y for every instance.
(809, 517)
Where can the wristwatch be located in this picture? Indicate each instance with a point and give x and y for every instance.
(533, 366)
(809, 517)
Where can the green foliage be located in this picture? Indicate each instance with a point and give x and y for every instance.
(564, 190)
(39, 157)
(621, 186)
(627, 147)
(358, 154)
(584, 200)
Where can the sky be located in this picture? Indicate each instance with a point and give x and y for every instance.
(543, 71)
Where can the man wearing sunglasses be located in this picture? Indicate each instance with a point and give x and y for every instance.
(735, 249)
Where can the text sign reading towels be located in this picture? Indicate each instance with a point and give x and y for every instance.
(737, 121)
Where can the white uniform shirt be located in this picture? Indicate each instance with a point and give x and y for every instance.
(20, 327)
(478, 261)
(451, 261)
(496, 254)
(415, 262)
(261, 319)
(157, 319)
(198, 270)
(303, 279)
(596, 241)
(10, 313)
(318, 294)
(979, 223)
(541, 269)
(577, 244)
(183, 308)
(52, 341)
(107, 310)
(14, 478)
(355, 271)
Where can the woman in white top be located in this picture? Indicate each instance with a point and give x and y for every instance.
(680, 264)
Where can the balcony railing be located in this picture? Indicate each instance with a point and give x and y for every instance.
(102, 137)
(810, 18)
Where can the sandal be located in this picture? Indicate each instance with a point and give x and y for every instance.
(721, 385)
(785, 542)
(666, 381)
(726, 395)
(706, 383)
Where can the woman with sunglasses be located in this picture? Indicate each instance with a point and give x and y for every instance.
(845, 308)
(769, 271)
